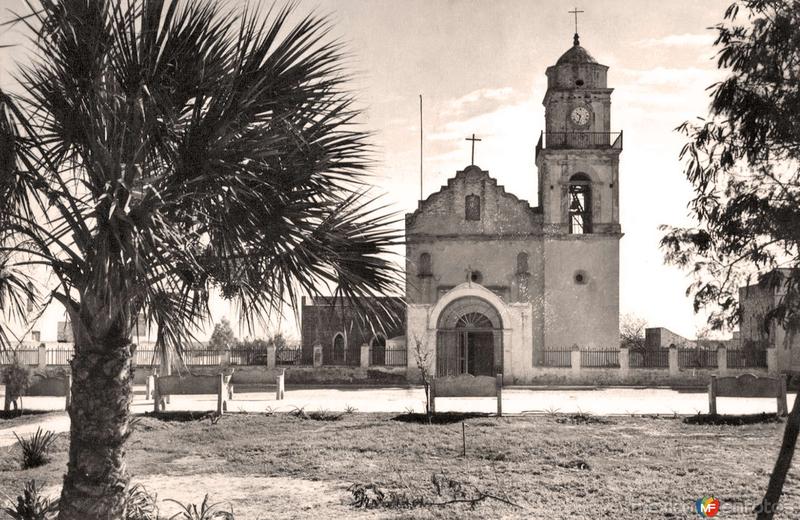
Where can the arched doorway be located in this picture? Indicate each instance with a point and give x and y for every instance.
(469, 339)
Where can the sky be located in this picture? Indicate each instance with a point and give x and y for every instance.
(480, 67)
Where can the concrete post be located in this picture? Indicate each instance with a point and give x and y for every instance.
(722, 360)
(317, 355)
(673, 361)
(148, 388)
(772, 360)
(279, 383)
(42, 356)
(226, 357)
(271, 356)
(364, 355)
(624, 361)
(575, 360)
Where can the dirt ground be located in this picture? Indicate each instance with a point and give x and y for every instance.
(551, 466)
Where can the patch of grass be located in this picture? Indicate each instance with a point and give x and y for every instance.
(733, 420)
(178, 416)
(6, 415)
(581, 418)
(437, 418)
(35, 448)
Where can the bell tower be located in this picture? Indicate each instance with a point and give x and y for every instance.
(577, 157)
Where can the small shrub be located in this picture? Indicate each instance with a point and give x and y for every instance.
(324, 415)
(35, 448)
(31, 506)
(140, 505)
(17, 378)
(350, 409)
(206, 512)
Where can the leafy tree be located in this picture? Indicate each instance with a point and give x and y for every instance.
(631, 331)
(222, 338)
(158, 150)
(17, 379)
(743, 161)
(278, 341)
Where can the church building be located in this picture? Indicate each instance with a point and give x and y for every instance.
(493, 282)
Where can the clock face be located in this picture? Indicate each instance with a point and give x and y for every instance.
(580, 116)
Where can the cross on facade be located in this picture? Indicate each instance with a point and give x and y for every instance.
(473, 139)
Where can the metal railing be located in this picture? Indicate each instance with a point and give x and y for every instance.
(59, 356)
(288, 356)
(697, 358)
(24, 356)
(557, 358)
(390, 357)
(747, 358)
(649, 358)
(595, 140)
(600, 358)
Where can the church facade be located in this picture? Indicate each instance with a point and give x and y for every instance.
(492, 282)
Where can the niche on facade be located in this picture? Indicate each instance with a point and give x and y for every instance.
(580, 277)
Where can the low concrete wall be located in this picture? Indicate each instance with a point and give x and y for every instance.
(634, 377)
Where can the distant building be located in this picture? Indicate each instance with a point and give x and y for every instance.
(755, 331)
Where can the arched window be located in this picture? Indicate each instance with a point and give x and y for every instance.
(338, 348)
(522, 263)
(580, 204)
(472, 207)
(425, 268)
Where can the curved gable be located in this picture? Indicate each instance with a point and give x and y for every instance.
(473, 203)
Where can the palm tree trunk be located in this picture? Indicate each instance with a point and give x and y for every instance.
(96, 479)
(769, 505)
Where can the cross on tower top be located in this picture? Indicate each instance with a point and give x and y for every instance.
(575, 11)
(473, 139)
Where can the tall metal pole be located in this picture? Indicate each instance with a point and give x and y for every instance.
(420, 147)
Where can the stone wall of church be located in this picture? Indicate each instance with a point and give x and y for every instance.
(581, 292)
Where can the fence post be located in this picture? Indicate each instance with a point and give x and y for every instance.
(722, 360)
(364, 355)
(575, 360)
(673, 361)
(148, 389)
(772, 360)
(221, 391)
(226, 357)
(783, 408)
(499, 385)
(712, 396)
(271, 356)
(317, 355)
(624, 361)
(42, 361)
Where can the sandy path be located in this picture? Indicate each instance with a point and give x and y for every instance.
(58, 423)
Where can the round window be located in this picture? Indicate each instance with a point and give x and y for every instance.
(581, 277)
(476, 277)
(579, 82)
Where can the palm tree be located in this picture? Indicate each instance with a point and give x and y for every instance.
(161, 149)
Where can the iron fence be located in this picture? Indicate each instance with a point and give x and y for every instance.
(204, 357)
(649, 358)
(747, 358)
(557, 358)
(59, 356)
(25, 356)
(697, 358)
(147, 357)
(344, 356)
(288, 356)
(248, 355)
(600, 358)
(390, 357)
